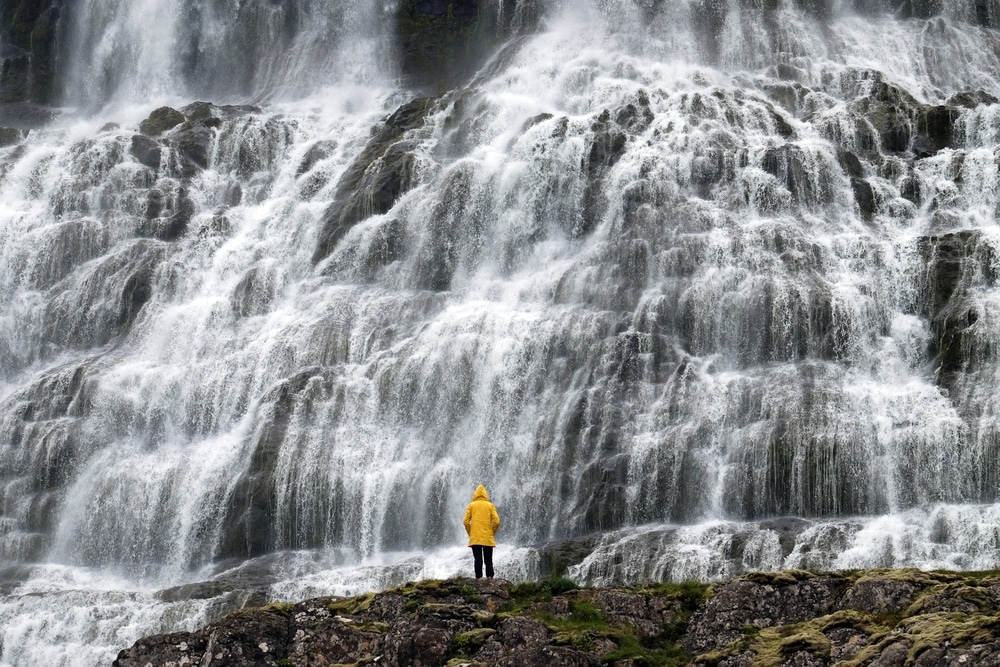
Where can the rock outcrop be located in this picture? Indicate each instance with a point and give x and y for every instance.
(877, 618)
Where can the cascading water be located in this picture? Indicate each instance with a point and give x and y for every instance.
(693, 288)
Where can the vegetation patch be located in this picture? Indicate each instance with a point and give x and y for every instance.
(351, 606)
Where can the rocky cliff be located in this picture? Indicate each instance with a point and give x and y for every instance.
(888, 618)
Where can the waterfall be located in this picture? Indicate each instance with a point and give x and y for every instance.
(694, 288)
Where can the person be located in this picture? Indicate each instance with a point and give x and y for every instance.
(481, 523)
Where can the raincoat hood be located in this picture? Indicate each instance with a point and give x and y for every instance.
(480, 493)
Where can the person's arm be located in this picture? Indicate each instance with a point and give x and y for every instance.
(468, 520)
(496, 519)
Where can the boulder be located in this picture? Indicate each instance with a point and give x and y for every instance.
(161, 120)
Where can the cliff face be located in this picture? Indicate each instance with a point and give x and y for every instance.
(878, 618)
(28, 50)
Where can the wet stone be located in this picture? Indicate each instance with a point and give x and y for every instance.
(161, 120)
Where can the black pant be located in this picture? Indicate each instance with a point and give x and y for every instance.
(479, 553)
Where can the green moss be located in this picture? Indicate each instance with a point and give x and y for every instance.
(689, 593)
(784, 577)
(351, 606)
(376, 627)
(283, 608)
(526, 594)
(929, 631)
(467, 643)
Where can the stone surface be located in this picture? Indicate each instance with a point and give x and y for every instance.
(792, 619)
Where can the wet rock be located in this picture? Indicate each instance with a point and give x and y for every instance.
(198, 591)
(136, 293)
(850, 163)
(192, 142)
(610, 134)
(317, 152)
(555, 558)
(789, 164)
(934, 129)
(909, 189)
(168, 215)
(146, 151)
(255, 292)
(212, 114)
(161, 120)
(956, 263)
(708, 18)
(440, 42)
(376, 179)
(864, 195)
(28, 52)
(10, 136)
(25, 116)
(971, 99)
(250, 506)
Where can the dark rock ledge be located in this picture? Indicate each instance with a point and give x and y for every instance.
(884, 618)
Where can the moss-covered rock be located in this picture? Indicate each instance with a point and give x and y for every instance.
(849, 619)
(161, 120)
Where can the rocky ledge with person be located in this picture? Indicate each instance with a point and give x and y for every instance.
(877, 618)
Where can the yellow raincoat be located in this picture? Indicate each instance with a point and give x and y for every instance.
(481, 519)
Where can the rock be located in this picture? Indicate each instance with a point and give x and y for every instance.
(10, 136)
(146, 151)
(708, 18)
(256, 637)
(192, 142)
(167, 214)
(850, 163)
(956, 264)
(864, 195)
(555, 558)
(892, 656)
(25, 115)
(317, 152)
(793, 619)
(28, 55)
(610, 133)
(249, 508)
(759, 601)
(934, 129)
(441, 42)
(135, 294)
(161, 120)
(255, 292)
(971, 99)
(373, 183)
(881, 596)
